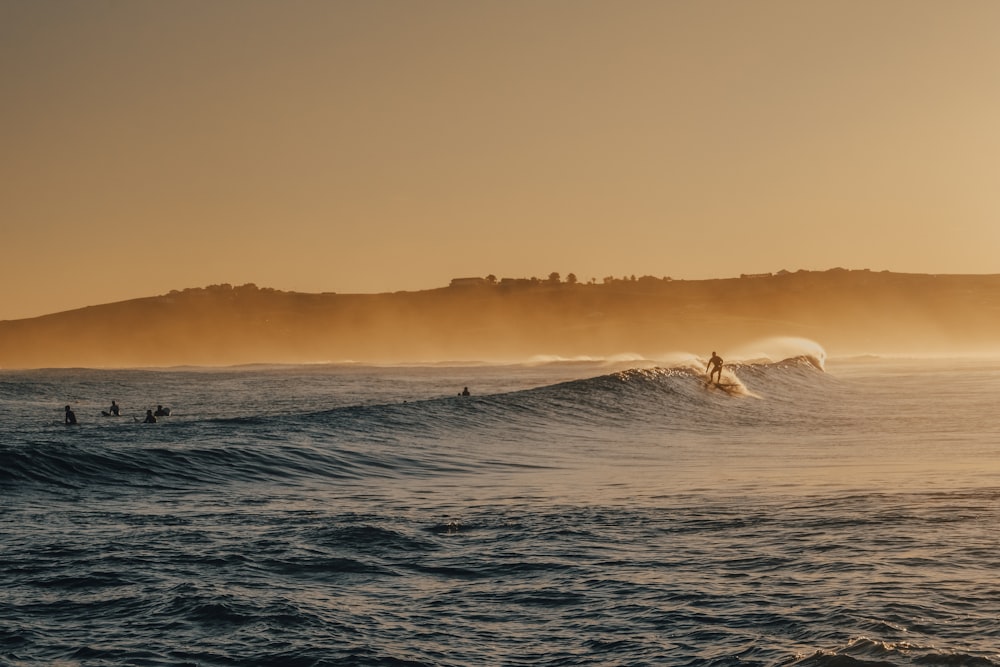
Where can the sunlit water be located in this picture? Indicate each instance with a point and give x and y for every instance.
(564, 514)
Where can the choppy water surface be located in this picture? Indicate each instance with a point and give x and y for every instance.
(564, 514)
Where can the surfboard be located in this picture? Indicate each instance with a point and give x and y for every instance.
(728, 387)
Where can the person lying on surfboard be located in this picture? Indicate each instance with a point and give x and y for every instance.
(715, 363)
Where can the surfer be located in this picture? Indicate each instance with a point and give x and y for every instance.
(715, 364)
(161, 411)
(465, 392)
(114, 410)
(150, 419)
(70, 417)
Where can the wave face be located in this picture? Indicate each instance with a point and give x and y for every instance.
(243, 438)
(570, 513)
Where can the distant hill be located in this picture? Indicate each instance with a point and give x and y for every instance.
(845, 311)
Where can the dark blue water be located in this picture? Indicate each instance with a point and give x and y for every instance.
(564, 514)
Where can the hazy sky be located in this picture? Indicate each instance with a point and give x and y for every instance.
(371, 146)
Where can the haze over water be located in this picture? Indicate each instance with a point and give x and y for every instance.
(571, 513)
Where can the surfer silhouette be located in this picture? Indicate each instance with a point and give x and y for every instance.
(70, 417)
(465, 392)
(114, 410)
(715, 364)
(150, 419)
(161, 411)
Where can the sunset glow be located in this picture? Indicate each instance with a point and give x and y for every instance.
(383, 146)
(499, 332)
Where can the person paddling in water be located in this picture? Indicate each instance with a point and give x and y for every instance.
(715, 364)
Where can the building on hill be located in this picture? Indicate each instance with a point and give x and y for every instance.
(468, 282)
(517, 282)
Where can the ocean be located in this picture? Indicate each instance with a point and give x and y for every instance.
(822, 512)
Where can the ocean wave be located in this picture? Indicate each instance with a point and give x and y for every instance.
(405, 438)
(869, 652)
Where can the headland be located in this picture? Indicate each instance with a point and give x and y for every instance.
(484, 319)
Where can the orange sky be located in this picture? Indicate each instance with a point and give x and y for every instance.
(393, 145)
